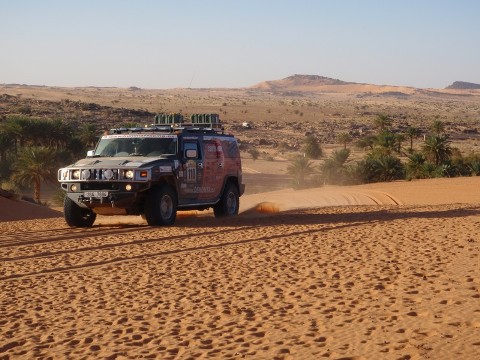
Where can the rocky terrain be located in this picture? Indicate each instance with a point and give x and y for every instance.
(281, 112)
(463, 85)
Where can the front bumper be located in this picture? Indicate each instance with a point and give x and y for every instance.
(114, 196)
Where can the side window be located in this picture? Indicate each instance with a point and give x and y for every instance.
(191, 151)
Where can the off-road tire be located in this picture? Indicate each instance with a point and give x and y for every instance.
(229, 202)
(161, 206)
(75, 216)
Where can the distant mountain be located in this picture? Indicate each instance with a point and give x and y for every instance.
(297, 84)
(300, 81)
(462, 85)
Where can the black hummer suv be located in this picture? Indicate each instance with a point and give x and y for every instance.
(154, 171)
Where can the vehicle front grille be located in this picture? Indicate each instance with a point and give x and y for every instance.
(101, 174)
(99, 186)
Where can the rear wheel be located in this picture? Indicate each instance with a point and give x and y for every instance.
(77, 216)
(229, 202)
(161, 206)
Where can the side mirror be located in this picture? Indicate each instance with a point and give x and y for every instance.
(191, 154)
(90, 153)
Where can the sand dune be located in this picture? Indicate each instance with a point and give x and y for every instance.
(417, 192)
(383, 271)
(11, 209)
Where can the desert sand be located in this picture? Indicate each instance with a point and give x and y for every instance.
(379, 271)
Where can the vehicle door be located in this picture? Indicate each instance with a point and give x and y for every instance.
(191, 171)
(213, 169)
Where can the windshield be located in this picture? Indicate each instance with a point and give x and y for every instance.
(136, 146)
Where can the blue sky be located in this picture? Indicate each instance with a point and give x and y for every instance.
(162, 44)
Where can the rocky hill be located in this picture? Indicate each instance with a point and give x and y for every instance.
(296, 84)
(296, 81)
(463, 85)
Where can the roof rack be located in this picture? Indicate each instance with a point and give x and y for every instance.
(196, 120)
(151, 128)
(200, 123)
(186, 128)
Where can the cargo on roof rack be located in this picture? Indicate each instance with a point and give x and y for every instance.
(196, 120)
(211, 121)
(168, 119)
(205, 119)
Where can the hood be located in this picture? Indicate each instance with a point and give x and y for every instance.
(114, 162)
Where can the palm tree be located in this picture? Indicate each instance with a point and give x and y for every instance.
(12, 128)
(61, 134)
(438, 127)
(415, 166)
(383, 168)
(412, 133)
(312, 148)
(387, 141)
(333, 169)
(382, 121)
(300, 168)
(344, 138)
(89, 135)
(437, 149)
(34, 166)
(399, 139)
(366, 143)
(6, 144)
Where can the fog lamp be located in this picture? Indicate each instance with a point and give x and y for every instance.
(128, 187)
(73, 188)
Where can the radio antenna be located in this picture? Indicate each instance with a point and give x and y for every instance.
(191, 80)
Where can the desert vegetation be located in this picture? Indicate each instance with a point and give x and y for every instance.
(350, 133)
(386, 158)
(32, 149)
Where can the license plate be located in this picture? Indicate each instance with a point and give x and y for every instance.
(95, 194)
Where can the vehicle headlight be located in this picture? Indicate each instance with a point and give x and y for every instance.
(85, 174)
(108, 174)
(76, 174)
(129, 174)
(64, 174)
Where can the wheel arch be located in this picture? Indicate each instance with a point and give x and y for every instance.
(167, 180)
(233, 180)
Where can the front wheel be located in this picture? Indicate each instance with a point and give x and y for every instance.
(77, 216)
(229, 202)
(161, 206)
